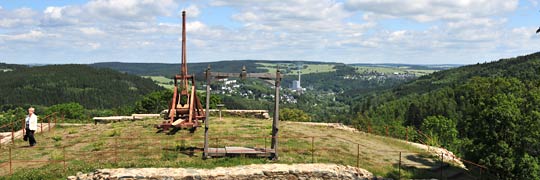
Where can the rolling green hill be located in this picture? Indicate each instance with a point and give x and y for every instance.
(329, 86)
(53, 84)
(489, 113)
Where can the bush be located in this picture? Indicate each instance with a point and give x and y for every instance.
(287, 114)
(16, 115)
(154, 102)
(69, 110)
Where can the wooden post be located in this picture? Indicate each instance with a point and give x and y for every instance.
(64, 159)
(10, 162)
(442, 161)
(24, 126)
(399, 166)
(407, 133)
(49, 118)
(115, 150)
(481, 170)
(207, 112)
(386, 131)
(312, 149)
(12, 134)
(358, 155)
(275, 123)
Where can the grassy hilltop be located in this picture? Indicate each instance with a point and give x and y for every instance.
(89, 147)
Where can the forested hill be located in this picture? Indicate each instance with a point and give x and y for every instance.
(10, 67)
(523, 67)
(167, 70)
(488, 113)
(54, 84)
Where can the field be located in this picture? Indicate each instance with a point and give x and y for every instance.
(392, 70)
(311, 68)
(136, 144)
(162, 81)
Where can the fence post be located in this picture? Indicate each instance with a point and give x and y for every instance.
(399, 166)
(358, 155)
(115, 153)
(386, 131)
(12, 135)
(23, 126)
(442, 161)
(64, 159)
(10, 162)
(49, 123)
(41, 126)
(312, 149)
(407, 133)
(481, 170)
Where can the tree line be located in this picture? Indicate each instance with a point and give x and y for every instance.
(54, 84)
(488, 113)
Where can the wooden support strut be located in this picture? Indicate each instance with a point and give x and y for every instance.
(275, 122)
(207, 112)
(244, 75)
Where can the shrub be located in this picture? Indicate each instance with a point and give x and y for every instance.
(287, 114)
(69, 110)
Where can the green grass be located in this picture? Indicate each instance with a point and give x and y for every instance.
(162, 81)
(138, 145)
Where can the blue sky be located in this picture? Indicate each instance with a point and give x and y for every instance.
(348, 31)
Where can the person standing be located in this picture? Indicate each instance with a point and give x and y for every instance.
(31, 126)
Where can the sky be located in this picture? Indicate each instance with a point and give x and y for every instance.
(347, 31)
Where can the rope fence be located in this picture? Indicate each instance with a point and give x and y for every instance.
(298, 149)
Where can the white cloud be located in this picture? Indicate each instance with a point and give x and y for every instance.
(327, 30)
(192, 11)
(94, 46)
(53, 12)
(91, 31)
(30, 36)
(17, 18)
(60, 16)
(131, 10)
(431, 10)
(290, 15)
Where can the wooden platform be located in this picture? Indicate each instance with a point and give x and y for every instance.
(239, 151)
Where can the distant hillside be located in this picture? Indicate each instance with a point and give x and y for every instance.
(53, 84)
(489, 113)
(167, 70)
(523, 67)
(411, 66)
(10, 67)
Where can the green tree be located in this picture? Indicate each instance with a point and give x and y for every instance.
(69, 110)
(441, 129)
(14, 115)
(287, 114)
(160, 100)
(154, 102)
(413, 116)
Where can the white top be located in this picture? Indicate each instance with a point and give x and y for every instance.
(31, 122)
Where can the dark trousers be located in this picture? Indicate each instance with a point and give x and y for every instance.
(30, 135)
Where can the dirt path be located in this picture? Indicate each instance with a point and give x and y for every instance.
(6, 136)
